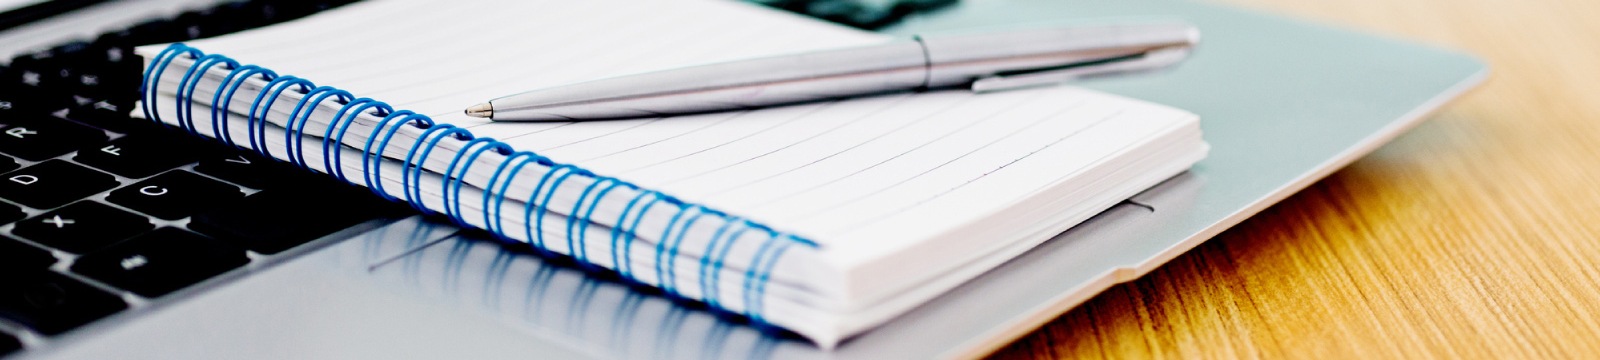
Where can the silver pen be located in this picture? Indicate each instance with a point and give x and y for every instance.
(981, 62)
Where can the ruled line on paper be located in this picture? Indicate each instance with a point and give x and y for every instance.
(828, 165)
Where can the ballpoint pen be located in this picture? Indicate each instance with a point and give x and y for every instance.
(982, 62)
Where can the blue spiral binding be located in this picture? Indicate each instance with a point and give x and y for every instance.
(232, 82)
(411, 175)
(712, 264)
(622, 234)
(185, 93)
(454, 180)
(573, 224)
(667, 247)
(492, 220)
(372, 161)
(152, 77)
(627, 229)
(294, 130)
(544, 202)
(258, 124)
(332, 162)
(751, 300)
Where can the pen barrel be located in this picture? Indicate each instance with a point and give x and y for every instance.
(958, 60)
(726, 86)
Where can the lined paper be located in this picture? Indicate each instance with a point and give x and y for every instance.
(898, 180)
(823, 170)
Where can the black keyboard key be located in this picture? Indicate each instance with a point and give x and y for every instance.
(867, 15)
(14, 255)
(95, 82)
(117, 65)
(60, 71)
(18, 103)
(850, 13)
(100, 71)
(118, 38)
(252, 171)
(9, 344)
(9, 213)
(139, 156)
(39, 83)
(156, 31)
(174, 195)
(275, 220)
(224, 18)
(161, 262)
(110, 115)
(51, 303)
(62, 76)
(193, 25)
(42, 137)
(8, 164)
(82, 227)
(74, 52)
(116, 53)
(13, 103)
(34, 60)
(53, 183)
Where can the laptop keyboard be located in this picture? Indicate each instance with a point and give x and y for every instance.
(101, 213)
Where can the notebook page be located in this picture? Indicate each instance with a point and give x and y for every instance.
(875, 174)
(875, 180)
(426, 58)
(305, 50)
(817, 170)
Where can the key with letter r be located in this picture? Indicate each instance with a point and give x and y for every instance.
(39, 137)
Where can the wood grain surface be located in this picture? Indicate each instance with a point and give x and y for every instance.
(1475, 235)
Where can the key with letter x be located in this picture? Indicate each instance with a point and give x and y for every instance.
(82, 227)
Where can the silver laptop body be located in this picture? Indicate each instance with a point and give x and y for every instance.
(1282, 102)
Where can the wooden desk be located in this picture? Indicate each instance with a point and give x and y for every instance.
(1475, 235)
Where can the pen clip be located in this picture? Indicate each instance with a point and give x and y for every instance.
(1137, 62)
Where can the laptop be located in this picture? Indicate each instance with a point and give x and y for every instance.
(1285, 103)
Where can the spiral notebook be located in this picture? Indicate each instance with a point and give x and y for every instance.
(823, 219)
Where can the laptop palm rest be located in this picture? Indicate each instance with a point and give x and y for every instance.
(414, 289)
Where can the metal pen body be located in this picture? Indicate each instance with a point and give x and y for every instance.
(725, 86)
(982, 61)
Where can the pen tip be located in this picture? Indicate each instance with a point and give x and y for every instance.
(484, 110)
